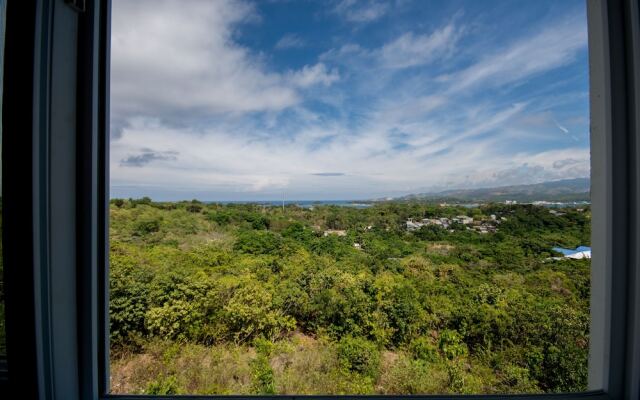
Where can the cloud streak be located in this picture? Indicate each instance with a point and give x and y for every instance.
(290, 41)
(554, 46)
(328, 174)
(361, 11)
(199, 107)
(147, 156)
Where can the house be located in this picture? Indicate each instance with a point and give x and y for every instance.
(463, 219)
(336, 232)
(413, 225)
(577, 253)
(484, 228)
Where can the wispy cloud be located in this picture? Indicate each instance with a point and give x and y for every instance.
(406, 50)
(414, 49)
(290, 41)
(425, 105)
(328, 174)
(554, 46)
(311, 75)
(562, 128)
(147, 156)
(361, 11)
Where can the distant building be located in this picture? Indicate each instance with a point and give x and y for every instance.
(485, 227)
(510, 202)
(413, 225)
(577, 253)
(463, 219)
(336, 232)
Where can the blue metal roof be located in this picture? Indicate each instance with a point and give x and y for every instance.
(568, 252)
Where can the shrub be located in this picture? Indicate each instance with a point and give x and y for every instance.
(163, 386)
(359, 355)
(129, 298)
(194, 208)
(258, 242)
(250, 313)
(118, 202)
(257, 221)
(176, 320)
(219, 217)
(146, 225)
(263, 380)
(451, 344)
(423, 349)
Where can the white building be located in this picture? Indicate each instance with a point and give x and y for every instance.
(463, 219)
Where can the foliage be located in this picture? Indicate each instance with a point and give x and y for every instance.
(163, 386)
(423, 349)
(359, 355)
(248, 299)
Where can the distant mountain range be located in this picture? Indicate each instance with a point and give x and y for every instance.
(566, 190)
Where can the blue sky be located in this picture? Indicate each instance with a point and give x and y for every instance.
(241, 100)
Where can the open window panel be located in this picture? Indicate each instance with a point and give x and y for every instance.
(353, 197)
(3, 342)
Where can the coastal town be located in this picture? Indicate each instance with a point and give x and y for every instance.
(484, 225)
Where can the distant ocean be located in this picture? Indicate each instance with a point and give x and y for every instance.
(365, 204)
(300, 203)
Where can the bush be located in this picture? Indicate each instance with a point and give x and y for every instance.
(163, 386)
(129, 298)
(146, 225)
(263, 380)
(257, 221)
(194, 208)
(451, 344)
(359, 355)
(176, 320)
(250, 313)
(117, 202)
(423, 349)
(431, 233)
(258, 242)
(219, 217)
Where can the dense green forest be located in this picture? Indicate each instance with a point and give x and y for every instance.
(251, 299)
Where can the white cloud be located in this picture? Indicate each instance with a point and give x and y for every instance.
(407, 50)
(290, 41)
(562, 128)
(410, 49)
(220, 161)
(552, 47)
(180, 58)
(314, 75)
(180, 61)
(361, 11)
